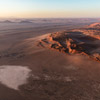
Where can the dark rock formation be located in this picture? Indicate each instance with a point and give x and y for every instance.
(79, 41)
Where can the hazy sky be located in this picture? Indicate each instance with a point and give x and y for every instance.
(49, 8)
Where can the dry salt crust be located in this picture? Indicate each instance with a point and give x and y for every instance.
(14, 76)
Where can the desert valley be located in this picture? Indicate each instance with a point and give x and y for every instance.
(50, 59)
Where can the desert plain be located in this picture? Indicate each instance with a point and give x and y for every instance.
(50, 59)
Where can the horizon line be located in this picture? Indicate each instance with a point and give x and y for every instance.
(48, 17)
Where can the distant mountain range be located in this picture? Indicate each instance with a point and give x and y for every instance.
(8, 21)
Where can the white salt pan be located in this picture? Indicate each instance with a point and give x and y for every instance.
(14, 76)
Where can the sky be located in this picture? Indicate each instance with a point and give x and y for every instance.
(49, 8)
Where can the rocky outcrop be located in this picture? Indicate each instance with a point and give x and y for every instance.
(73, 42)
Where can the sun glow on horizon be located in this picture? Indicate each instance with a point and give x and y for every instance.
(49, 8)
